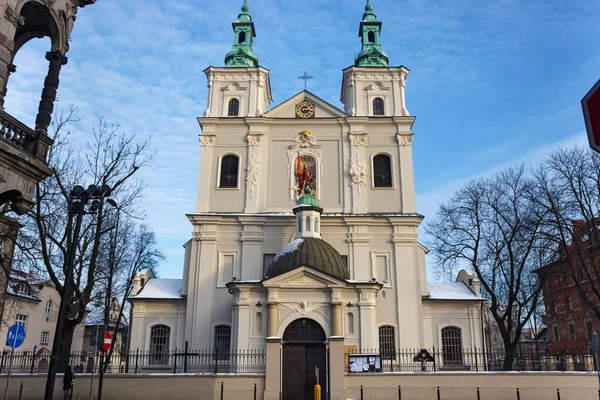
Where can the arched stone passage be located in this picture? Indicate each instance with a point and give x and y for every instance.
(304, 350)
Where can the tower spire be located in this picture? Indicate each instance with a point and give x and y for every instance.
(371, 54)
(241, 55)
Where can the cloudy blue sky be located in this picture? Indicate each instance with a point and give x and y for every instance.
(491, 83)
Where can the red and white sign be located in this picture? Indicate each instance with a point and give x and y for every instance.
(107, 340)
(591, 114)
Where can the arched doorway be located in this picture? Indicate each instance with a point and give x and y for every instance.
(303, 350)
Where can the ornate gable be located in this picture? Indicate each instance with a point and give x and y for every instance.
(303, 278)
(305, 105)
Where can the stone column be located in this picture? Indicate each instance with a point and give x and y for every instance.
(272, 319)
(273, 362)
(57, 60)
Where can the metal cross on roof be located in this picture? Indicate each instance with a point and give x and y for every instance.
(305, 78)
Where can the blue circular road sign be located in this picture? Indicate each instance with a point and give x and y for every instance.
(16, 336)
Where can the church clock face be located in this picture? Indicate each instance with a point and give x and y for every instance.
(305, 109)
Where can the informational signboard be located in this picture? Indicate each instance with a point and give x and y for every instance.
(364, 362)
(16, 336)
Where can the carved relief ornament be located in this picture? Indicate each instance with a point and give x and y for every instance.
(253, 170)
(358, 171)
(303, 307)
(304, 280)
(358, 139)
(207, 140)
(254, 139)
(14, 17)
(404, 139)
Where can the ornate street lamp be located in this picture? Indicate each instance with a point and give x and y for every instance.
(78, 200)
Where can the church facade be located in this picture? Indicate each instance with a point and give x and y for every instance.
(304, 240)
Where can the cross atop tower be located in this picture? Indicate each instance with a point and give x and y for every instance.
(305, 78)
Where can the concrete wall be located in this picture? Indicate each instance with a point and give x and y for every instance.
(415, 386)
(463, 386)
(146, 387)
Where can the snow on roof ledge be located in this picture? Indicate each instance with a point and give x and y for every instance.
(161, 289)
(451, 291)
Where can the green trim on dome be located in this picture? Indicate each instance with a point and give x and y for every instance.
(307, 199)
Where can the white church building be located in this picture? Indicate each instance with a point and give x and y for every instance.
(304, 237)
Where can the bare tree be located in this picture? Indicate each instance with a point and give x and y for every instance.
(111, 158)
(493, 227)
(568, 188)
(138, 253)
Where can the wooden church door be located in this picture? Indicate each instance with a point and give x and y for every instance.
(303, 350)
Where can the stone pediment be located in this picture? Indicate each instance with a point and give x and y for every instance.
(322, 109)
(303, 278)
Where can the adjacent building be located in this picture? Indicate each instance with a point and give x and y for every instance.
(33, 304)
(569, 320)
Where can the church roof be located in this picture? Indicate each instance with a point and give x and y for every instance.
(450, 291)
(308, 252)
(161, 289)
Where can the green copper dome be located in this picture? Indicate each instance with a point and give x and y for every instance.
(308, 200)
(308, 252)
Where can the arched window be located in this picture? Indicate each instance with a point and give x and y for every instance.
(317, 225)
(452, 346)
(159, 344)
(371, 37)
(307, 224)
(48, 308)
(299, 225)
(222, 341)
(382, 171)
(229, 172)
(242, 38)
(234, 108)
(387, 342)
(378, 108)
(350, 320)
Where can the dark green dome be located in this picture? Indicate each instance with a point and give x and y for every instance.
(308, 252)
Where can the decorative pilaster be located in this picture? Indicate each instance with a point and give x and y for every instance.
(252, 239)
(253, 166)
(44, 117)
(407, 180)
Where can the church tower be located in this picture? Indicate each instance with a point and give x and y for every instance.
(242, 87)
(371, 87)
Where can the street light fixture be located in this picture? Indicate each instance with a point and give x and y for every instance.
(78, 200)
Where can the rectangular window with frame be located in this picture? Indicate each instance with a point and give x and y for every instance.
(556, 334)
(267, 260)
(44, 337)
(21, 319)
(572, 331)
(590, 328)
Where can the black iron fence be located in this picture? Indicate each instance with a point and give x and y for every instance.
(146, 362)
(435, 359)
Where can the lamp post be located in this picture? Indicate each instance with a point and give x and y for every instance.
(78, 200)
(111, 264)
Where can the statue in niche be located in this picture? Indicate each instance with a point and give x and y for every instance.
(306, 170)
